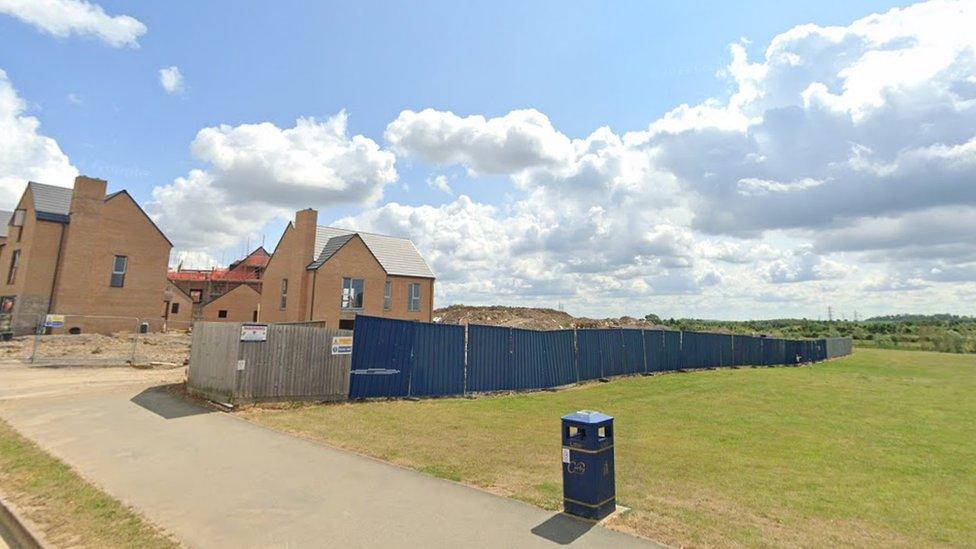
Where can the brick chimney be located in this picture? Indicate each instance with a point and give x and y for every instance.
(306, 223)
(79, 263)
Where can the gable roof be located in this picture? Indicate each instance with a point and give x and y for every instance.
(51, 203)
(4, 221)
(322, 236)
(397, 256)
(235, 289)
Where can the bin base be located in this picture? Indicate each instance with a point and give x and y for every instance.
(590, 511)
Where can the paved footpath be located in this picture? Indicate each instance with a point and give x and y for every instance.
(215, 480)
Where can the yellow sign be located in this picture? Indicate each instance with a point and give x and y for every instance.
(342, 345)
(54, 321)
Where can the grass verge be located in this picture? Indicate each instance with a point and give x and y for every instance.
(874, 449)
(70, 511)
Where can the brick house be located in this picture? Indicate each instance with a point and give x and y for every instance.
(83, 253)
(242, 304)
(330, 275)
(204, 286)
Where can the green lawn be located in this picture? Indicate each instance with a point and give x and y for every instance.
(69, 511)
(874, 449)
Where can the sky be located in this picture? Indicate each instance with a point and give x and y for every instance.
(687, 159)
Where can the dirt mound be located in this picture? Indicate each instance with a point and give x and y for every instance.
(530, 318)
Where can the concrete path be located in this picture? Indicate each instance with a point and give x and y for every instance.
(217, 481)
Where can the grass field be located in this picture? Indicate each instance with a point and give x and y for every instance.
(874, 449)
(69, 511)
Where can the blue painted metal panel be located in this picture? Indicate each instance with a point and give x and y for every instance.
(653, 350)
(672, 357)
(381, 357)
(593, 353)
(632, 352)
(746, 351)
(489, 359)
(705, 350)
(438, 360)
(542, 359)
(774, 351)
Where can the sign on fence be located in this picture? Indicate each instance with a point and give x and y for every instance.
(342, 345)
(54, 321)
(254, 332)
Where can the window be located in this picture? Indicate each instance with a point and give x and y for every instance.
(222, 313)
(388, 296)
(284, 294)
(7, 304)
(14, 263)
(196, 295)
(352, 293)
(413, 298)
(347, 323)
(18, 221)
(254, 316)
(175, 309)
(119, 266)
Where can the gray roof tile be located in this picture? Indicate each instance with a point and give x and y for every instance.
(51, 199)
(397, 256)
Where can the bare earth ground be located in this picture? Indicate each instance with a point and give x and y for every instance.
(171, 348)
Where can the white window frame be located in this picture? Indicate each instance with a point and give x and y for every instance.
(118, 273)
(413, 301)
(388, 295)
(347, 301)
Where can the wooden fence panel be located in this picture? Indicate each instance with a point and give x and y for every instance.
(213, 360)
(295, 363)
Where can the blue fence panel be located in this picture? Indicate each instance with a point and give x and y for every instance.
(542, 359)
(438, 360)
(593, 353)
(704, 350)
(671, 350)
(653, 350)
(632, 352)
(746, 351)
(381, 357)
(489, 359)
(774, 351)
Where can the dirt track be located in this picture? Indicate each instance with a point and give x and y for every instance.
(170, 348)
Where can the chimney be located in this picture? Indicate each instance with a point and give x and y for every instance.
(306, 222)
(88, 192)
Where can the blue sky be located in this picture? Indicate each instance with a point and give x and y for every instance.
(581, 67)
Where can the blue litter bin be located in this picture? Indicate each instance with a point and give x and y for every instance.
(589, 489)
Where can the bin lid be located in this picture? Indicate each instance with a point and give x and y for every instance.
(587, 416)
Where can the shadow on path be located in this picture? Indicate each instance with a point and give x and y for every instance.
(161, 402)
(562, 528)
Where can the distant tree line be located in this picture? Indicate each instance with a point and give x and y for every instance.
(942, 332)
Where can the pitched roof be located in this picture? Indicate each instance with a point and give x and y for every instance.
(322, 236)
(4, 221)
(397, 256)
(51, 200)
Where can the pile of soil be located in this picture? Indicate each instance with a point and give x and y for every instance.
(530, 318)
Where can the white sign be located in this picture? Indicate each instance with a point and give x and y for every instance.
(54, 321)
(240, 365)
(342, 345)
(565, 455)
(254, 332)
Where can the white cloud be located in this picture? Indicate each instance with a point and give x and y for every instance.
(171, 79)
(258, 172)
(63, 18)
(439, 183)
(511, 143)
(840, 146)
(26, 154)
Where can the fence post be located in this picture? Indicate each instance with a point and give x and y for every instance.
(576, 355)
(464, 385)
(135, 341)
(37, 337)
